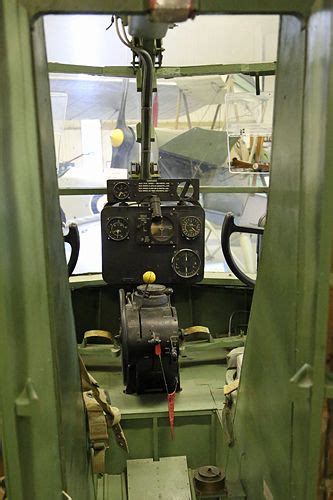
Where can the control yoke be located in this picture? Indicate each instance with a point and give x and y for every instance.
(73, 238)
(228, 228)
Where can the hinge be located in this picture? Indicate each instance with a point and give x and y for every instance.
(303, 378)
(27, 400)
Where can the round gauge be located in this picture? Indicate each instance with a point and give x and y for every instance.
(121, 190)
(191, 226)
(186, 263)
(162, 230)
(117, 228)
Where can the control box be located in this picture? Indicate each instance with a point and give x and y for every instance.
(137, 237)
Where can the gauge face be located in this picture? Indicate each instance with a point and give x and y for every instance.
(117, 228)
(191, 227)
(162, 231)
(121, 190)
(186, 263)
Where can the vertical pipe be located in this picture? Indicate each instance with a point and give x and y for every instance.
(146, 111)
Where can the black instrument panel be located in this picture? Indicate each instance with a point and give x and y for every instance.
(133, 243)
(166, 189)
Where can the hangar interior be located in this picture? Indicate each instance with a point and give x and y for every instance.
(166, 220)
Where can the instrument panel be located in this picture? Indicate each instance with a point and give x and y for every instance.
(117, 228)
(191, 227)
(166, 189)
(135, 240)
(186, 263)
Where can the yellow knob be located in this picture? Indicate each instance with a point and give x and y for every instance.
(117, 137)
(149, 277)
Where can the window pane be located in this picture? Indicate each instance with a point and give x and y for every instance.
(247, 208)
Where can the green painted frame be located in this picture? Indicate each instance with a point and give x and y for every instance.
(41, 407)
(167, 72)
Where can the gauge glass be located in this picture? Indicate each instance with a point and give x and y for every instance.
(185, 190)
(186, 263)
(191, 226)
(162, 230)
(117, 228)
(121, 190)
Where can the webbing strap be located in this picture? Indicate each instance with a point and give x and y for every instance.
(98, 432)
(195, 329)
(101, 416)
(97, 335)
(229, 388)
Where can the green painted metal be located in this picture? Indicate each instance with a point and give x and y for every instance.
(39, 7)
(192, 353)
(146, 424)
(41, 406)
(234, 189)
(297, 7)
(167, 72)
(316, 207)
(75, 69)
(72, 423)
(24, 306)
(329, 391)
(209, 305)
(288, 324)
(168, 478)
(262, 69)
(111, 486)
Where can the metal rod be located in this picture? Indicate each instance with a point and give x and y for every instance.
(146, 111)
(178, 108)
(218, 107)
(189, 124)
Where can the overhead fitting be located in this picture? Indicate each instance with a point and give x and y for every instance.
(146, 45)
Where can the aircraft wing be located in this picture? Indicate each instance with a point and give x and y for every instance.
(95, 97)
(202, 90)
(200, 145)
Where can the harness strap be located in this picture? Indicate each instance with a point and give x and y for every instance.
(101, 417)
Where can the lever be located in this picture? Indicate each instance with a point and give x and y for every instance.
(155, 205)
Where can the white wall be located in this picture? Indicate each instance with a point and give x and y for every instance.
(205, 40)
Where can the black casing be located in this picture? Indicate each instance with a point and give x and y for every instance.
(125, 261)
(144, 318)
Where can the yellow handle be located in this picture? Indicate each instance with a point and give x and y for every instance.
(149, 277)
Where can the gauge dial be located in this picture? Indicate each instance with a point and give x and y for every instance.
(162, 230)
(191, 227)
(186, 263)
(117, 228)
(121, 190)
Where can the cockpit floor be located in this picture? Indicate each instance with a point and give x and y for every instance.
(202, 389)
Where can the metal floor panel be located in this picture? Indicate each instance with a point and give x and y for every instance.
(197, 384)
(166, 479)
(111, 487)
